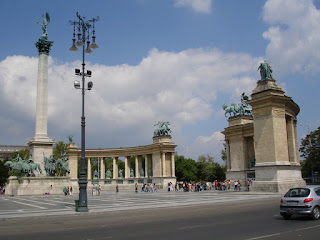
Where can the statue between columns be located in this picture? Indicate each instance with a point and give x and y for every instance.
(131, 173)
(120, 173)
(108, 173)
(141, 172)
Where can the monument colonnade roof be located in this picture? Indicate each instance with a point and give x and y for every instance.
(126, 151)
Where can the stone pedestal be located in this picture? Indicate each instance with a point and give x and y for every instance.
(275, 138)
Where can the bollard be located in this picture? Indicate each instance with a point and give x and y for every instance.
(76, 204)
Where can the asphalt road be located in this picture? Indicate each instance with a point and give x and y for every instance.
(246, 217)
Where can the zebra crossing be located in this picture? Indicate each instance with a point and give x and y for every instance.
(35, 206)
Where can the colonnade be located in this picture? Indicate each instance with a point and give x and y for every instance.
(158, 158)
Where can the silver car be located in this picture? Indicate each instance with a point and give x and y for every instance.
(301, 201)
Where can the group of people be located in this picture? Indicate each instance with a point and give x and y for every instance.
(203, 186)
(96, 189)
(67, 190)
(146, 187)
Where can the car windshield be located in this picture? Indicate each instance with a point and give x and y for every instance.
(298, 192)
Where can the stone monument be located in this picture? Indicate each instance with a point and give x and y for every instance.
(264, 146)
(41, 145)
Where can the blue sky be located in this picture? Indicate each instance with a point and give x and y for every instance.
(168, 60)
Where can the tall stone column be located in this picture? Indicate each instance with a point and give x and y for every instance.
(173, 167)
(72, 153)
(137, 166)
(163, 158)
(89, 168)
(127, 167)
(41, 144)
(115, 167)
(102, 168)
(146, 167)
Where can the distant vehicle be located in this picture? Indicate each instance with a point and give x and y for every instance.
(301, 201)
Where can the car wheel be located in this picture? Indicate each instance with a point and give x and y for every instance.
(286, 216)
(315, 213)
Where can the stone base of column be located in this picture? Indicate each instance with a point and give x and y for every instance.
(39, 149)
(236, 175)
(277, 178)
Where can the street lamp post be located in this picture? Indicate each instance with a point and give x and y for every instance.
(84, 28)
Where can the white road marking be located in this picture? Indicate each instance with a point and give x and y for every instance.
(29, 205)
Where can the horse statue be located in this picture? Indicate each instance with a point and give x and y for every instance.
(229, 109)
(63, 163)
(164, 129)
(50, 165)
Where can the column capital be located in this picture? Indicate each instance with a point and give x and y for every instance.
(43, 46)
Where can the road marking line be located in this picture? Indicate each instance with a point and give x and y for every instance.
(29, 205)
(38, 202)
(280, 233)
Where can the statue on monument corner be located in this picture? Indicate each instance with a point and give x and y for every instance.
(265, 70)
(164, 129)
(70, 137)
(46, 21)
(245, 108)
(242, 108)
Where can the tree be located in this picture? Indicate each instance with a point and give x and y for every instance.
(59, 149)
(186, 169)
(208, 170)
(24, 153)
(224, 154)
(4, 174)
(310, 151)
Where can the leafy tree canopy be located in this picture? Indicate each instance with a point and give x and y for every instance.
(310, 151)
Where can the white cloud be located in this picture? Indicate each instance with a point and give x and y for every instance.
(294, 36)
(120, 111)
(211, 145)
(202, 6)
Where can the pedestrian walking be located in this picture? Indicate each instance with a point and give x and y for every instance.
(136, 187)
(117, 189)
(248, 185)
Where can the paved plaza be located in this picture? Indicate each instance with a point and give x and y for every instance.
(54, 205)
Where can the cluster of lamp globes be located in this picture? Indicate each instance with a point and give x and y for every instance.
(74, 48)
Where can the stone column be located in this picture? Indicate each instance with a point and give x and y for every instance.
(41, 144)
(163, 156)
(102, 168)
(115, 167)
(146, 172)
(173, 167)
(89, 168)
(127, 167)
(72, 153)
(137, 167)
